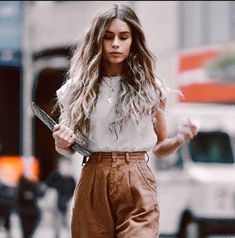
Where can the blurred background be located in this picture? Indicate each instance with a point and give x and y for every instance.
(194, 42)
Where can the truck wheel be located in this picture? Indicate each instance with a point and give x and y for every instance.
(192, 230)
(189, 228)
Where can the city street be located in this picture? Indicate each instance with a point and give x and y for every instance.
(43, 231)
(169, 87)
(49, 223)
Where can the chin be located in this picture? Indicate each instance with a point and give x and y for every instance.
(117, 61)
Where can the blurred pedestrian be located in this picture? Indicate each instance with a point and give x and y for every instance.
(64, 184)
(27, 205)
(114, 104)
(7, 206)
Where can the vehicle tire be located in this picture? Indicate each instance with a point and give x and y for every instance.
(189, 227)
(192, 230)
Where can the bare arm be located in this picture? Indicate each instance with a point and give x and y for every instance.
(165, 145)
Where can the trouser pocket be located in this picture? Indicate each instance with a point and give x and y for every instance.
(147, 174)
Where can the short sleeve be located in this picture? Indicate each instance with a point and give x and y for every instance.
(61, 92)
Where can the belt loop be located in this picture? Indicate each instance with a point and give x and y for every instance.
(84, 160)
(99, 157)
(147, 156)
(127, 157)
(114, 156)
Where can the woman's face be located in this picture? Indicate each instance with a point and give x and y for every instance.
(117, 42)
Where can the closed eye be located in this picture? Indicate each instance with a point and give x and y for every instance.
(124, 37)
(108, 37)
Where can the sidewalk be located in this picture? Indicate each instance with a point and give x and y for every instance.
(43, 230)
(48, 224)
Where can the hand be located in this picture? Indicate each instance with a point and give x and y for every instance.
(187, 131)
(64, 137)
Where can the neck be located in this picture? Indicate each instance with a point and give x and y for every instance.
(111, 70)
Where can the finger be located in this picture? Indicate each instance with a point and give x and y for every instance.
(190, 134)
(189, 122)
(56, 127)
(190, 128)
(194, 131)
(71, 140)
(185, 124)
(62, 129)
(186, 132)
(68, 137)
(183, 129)
(67, 133)
(56, 134)
(67, 142)
(185, 121)
(193, 128)
(194, 125)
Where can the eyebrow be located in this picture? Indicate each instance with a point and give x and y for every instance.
(122, 32)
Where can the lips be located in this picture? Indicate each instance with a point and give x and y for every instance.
(115, 53)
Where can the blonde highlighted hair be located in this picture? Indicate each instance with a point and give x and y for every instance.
(140, 90)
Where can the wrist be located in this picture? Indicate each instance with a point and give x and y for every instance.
(64, 151)
(180, 139)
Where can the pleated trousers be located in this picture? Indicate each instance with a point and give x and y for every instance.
(115, 197)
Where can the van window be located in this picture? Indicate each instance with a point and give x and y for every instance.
(211, 147)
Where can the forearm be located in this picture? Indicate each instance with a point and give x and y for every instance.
(167, 146)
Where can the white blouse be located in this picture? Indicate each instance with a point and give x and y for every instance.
(132, 137)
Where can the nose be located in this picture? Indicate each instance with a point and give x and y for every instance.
(115, 44)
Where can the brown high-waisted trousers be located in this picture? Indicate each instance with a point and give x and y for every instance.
(115, 198)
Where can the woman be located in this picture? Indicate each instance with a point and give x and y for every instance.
(114, 104)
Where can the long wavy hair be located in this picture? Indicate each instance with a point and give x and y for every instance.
(140, 89)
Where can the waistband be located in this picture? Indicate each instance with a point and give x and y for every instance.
(119, 155)
(136, 155)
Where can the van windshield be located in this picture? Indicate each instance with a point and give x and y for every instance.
(211, 147)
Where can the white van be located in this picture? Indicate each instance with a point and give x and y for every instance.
(196, 185)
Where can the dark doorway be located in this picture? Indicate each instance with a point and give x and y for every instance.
(9, 111)
(46, 84)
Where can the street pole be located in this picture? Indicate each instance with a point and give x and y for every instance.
(27, 48)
